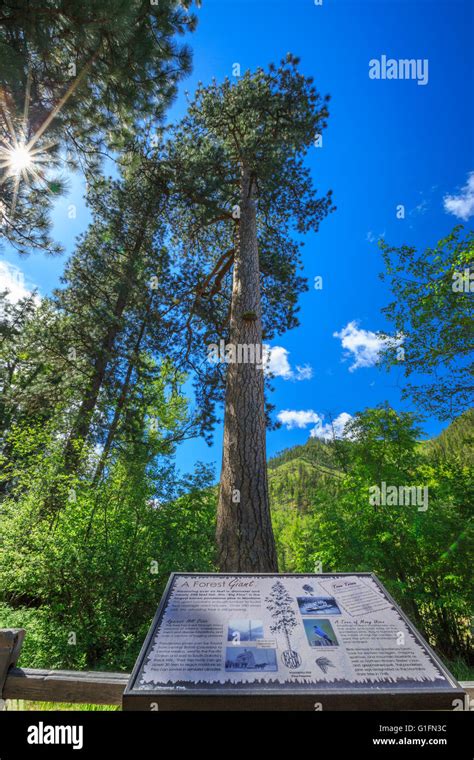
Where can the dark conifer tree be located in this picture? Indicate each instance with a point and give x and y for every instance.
(77, 81)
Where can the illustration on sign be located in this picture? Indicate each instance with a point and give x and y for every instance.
(279, 604)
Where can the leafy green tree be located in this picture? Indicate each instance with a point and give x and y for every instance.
(432, 315)
(35, 374)
(97, 567)
(13, 320)
(24, 213)
(241, 188)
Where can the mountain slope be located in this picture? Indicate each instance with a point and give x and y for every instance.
(296, 474)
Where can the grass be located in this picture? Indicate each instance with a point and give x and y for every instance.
(460, 669)
(23, 705)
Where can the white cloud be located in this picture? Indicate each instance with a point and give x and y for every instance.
(462, 205)
(334, 429)
(12, 280)
(301, 419)
(364, 345)
(304, 372)
(275, 359)
(293, 419)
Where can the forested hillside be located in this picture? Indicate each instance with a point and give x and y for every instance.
(296, 474)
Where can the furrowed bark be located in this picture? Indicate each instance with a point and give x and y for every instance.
(244, 535)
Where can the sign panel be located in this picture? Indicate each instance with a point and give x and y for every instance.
(326, 641)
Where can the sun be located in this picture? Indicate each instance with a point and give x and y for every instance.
(20, 161)
(19, 158)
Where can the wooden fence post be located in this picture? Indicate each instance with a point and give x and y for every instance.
(11, 640)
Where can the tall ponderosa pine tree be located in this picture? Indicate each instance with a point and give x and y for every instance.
(240, 188)
(117, 289)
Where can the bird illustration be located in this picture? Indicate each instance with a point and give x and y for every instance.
(322, 634)
(324, 664)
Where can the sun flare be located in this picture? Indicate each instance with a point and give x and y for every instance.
(19, 158)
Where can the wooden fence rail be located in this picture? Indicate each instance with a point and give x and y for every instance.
(91, 688)
(95, 688)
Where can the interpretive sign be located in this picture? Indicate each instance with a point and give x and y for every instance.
(290, 642)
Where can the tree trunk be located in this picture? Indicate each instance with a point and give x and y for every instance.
(82, 424)
(244, 535)
(81, 428)
(122, 398)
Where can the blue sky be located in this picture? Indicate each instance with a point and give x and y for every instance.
(388, 143)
